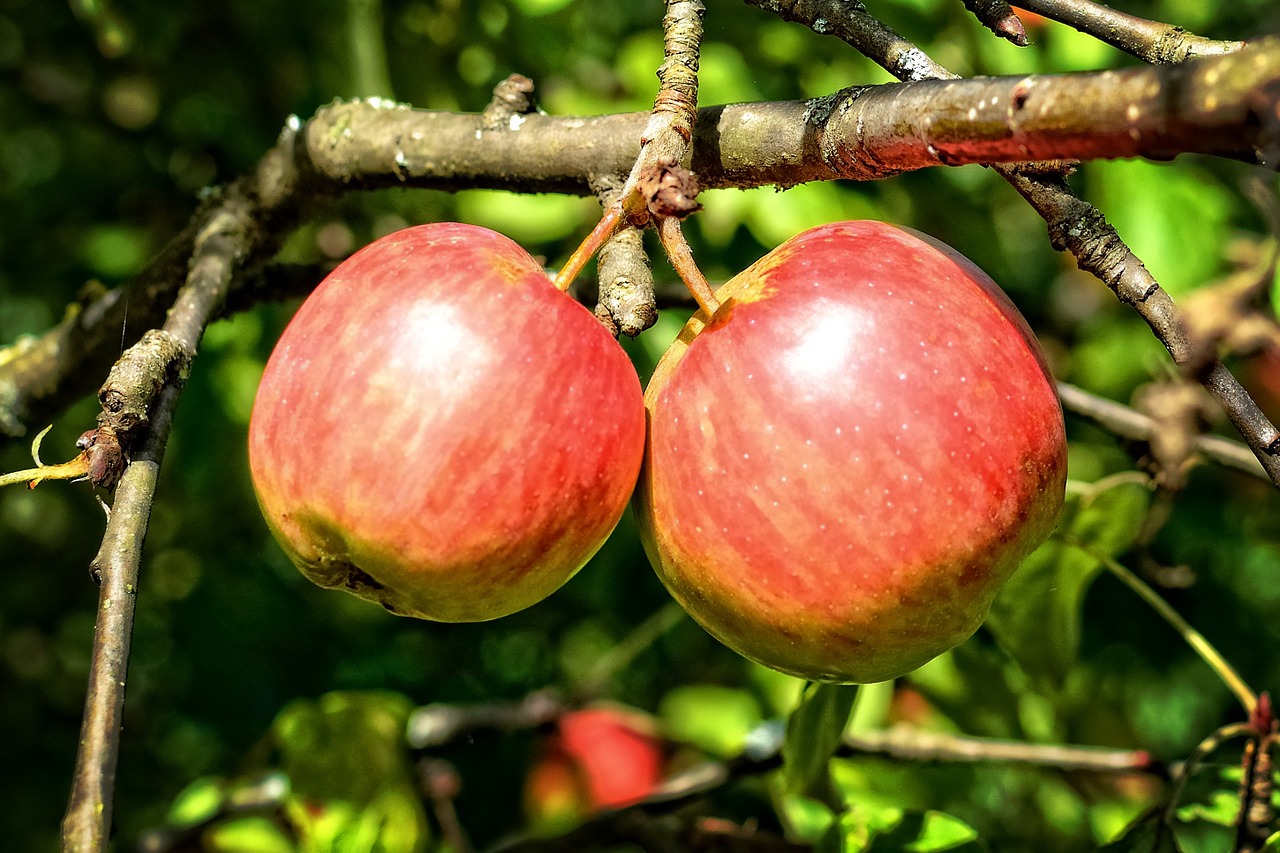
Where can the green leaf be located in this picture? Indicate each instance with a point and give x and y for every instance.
(352, 783)
(1111, 512)
(863, 829)
(1220, 808)
(197, 803)
(1147, 834)
(1143, 200)
(1272, 845)
(813, 735)
(248, 835)
(805, 819)
(1036, 616)
(715, 719)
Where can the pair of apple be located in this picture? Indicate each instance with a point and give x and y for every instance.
(836, 471)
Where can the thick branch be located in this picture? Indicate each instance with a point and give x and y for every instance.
(1225, 105)
(1077, 226)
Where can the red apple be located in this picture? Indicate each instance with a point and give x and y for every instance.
(851, 456)
(441, 431)
(599, 757)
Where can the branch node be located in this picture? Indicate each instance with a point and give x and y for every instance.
(513, 97)
(158, 359)
(669, 189)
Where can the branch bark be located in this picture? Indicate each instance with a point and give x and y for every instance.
(1225, 105)
(1074, 224)
(1150, 41)
(141, 400)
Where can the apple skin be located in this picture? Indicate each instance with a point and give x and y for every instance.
(598, 758)
(441, 431)
(851, 457)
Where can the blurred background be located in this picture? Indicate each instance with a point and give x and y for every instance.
(118, 114)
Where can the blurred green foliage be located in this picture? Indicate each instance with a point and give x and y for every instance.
(119, 113)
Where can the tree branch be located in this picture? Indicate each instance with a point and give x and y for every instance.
(1150, 41)
(1128, 423)
(1074, 224)
(373, 144)
(1079, 227)
(142, 403)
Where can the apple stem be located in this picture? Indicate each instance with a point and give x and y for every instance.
(681, 256)
(622, 654)
(71, 470)
(610, 223)
(78, 467)
(1193, 638)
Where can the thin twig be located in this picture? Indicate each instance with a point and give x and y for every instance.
(620, 655)
(87, 824)
(1193, 638)
(1128, 423)
(1079, 227)
(1150, 41)
(997, 16)
(909, 745)
(435, 725)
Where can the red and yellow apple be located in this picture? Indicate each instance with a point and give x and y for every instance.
(597, 758)
(851, 456)
(442, 431)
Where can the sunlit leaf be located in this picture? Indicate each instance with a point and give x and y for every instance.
(1221, 808)
(863, 829)
(1147, 834)
(197, 802)
(1036, 617)
(353, 786)
(806, 819)
(248, 835)
(1146, 202)
(716, 719)
(813, 735)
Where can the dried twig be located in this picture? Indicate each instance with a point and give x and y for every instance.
(1128, 423)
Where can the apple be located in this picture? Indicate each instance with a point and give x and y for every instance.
(597, 758)
(848, 459)
(442, 431)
